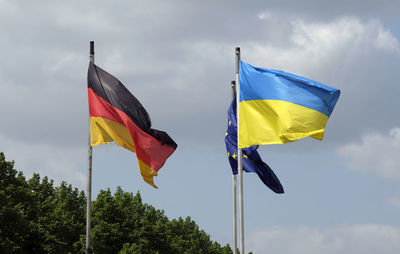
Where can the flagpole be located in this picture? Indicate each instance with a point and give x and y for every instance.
(240, 162)
(234, 193)
(89, 176)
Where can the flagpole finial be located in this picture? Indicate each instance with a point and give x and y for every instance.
(237, 53)
(91, 47)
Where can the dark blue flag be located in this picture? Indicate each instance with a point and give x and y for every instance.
(252, 161)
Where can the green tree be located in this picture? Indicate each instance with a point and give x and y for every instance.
(123, 218)
(186, 237)
(36, 217)
(15, 227)
(124, 223)
(67, 219)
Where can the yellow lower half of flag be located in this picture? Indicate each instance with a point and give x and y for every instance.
(263, 122)
(103, 131)
(147, 173)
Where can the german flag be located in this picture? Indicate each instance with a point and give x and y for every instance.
(116, 115)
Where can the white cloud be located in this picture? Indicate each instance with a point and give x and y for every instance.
(386, 40)
(315, 45)
(59, 163)
(264, 15)
(375, 153)
(353, 239)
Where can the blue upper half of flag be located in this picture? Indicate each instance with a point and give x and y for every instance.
(265, 84)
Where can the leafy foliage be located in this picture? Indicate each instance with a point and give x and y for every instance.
(36, 217)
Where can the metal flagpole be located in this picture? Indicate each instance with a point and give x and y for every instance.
(89, 176)
(234, 194)
(240, 162)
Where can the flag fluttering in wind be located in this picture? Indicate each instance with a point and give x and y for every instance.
(252, 161)
(277, 107)
(116, 115)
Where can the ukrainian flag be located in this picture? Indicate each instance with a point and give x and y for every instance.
(276, 107)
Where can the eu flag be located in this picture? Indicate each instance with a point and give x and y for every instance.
(252, 161)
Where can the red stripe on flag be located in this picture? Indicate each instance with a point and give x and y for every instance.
(98, 107)
(148, 148)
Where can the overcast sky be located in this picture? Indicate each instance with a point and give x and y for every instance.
(177, 57)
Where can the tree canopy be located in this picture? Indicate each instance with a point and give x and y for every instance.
(38, 217)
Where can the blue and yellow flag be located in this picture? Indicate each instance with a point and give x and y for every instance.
(252, 161)
(276, 107)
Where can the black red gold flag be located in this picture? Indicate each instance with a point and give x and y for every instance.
(116, 115)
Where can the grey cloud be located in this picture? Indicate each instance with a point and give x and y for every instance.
(376, 153)
(177, 58)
